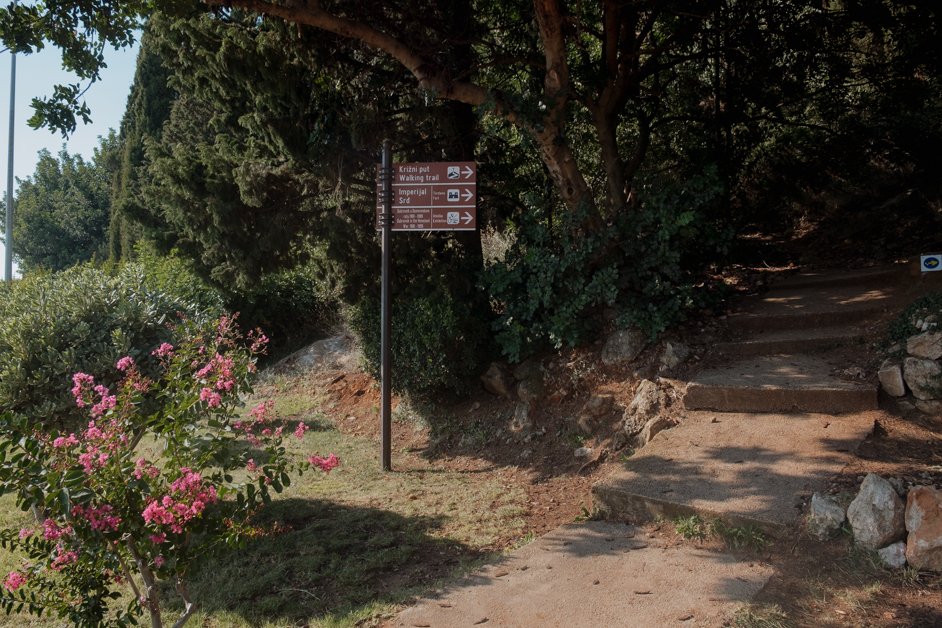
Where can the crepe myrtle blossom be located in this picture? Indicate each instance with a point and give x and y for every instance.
(324, 464)
(14, 581)
(155, 513)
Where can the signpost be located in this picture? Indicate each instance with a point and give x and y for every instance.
(431, 196)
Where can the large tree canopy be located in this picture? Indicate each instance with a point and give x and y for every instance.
(620, 141)
(62, 210)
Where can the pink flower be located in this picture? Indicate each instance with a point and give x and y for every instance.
(52, 531)
(125, 363)
(159, 561)
(299, 431)
(262, 411)
(251, 466)
(212, 399)
(157, 539)
(83, 383)
(14, 581)
(100, 519)
(142, 467)
(163, 351)
(63, 558)
(25, 533)
(107, 402)
(65, 441)
(324, 464)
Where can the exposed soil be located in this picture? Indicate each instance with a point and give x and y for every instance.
(815, 583)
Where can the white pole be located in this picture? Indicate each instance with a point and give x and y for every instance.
(8, 241)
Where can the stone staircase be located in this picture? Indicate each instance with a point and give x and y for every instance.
(772, 419)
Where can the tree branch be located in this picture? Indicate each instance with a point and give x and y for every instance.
(188, 606)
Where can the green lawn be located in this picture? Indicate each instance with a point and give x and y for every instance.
(340, 549)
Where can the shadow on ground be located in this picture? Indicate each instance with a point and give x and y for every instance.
(318, 558)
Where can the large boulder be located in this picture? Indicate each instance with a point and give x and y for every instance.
(927, 345)
(623, 346)
(876, 514)
(645, 405)
(825, 517)
(922, 377)
(891, 379)
(924, 524)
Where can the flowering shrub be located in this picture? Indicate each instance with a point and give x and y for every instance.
(113, 516)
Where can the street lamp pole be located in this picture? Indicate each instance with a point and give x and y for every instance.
(8, 240)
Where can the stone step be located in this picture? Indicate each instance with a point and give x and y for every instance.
(875, 276)
(811, 340)
(778, 383)
(751, 321)
(740, 468)
(817, 307)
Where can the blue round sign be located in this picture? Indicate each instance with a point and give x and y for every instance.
(931, 263)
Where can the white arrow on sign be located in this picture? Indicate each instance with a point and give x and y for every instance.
(467, 172)
(466, 195)
(467, 218)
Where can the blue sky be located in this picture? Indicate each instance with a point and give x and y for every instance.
(35, 76)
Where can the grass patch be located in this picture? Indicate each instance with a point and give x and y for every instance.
(695, 527)
(347, 548)
(692, 527)
(761, 616)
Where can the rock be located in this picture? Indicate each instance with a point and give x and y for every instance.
(926, 345)
(893, 556)
(619, 440)
(674, 353)
(623, 346)
(521, 422)
(650, 430)
(336, 353)
(924, 524)
(825, 517)
(898, 485)
(583, 452)
(930, 407)
(528, 369)
(922, 377)
(891, 379)
(495, 381)
(876, 514)
(645, 405)
(531, 389)
(595, 409)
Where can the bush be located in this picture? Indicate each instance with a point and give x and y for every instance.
(290, 306)
(174, 276)
(82, 319)
(904, 326)
(555, 285)
(114, 517)
(437, 341)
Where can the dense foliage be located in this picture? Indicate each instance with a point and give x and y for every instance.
(157, 479)
(63, 209)
(82, 319)
(621, 146)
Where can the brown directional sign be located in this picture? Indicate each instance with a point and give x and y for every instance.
(432, 196)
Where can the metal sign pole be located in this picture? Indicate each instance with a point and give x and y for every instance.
(386, 309)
